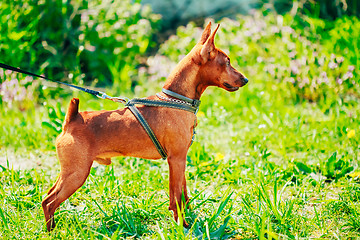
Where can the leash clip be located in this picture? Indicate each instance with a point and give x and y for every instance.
(103, 95)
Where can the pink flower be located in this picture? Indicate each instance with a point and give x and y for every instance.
(333, 65)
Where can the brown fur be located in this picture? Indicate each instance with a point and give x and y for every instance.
(101, 135)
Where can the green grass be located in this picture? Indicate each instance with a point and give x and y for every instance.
(258, 168)
(271, 161)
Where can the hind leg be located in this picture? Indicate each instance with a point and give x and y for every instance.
(70, 179)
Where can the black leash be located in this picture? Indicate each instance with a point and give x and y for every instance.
(98, 94)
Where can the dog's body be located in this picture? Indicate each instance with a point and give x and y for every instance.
(100, 135)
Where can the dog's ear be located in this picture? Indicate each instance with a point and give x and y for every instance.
(209, 46)
(205, 35)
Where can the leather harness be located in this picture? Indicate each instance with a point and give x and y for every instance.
(182, 103)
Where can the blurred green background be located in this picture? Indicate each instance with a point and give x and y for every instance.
(107, 43)
(312, 46)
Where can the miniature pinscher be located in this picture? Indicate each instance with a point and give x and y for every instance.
(101, 135)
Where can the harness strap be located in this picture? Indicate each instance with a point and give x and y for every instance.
(147, 129)
(156, 103)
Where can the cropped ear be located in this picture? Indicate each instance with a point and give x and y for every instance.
(205, 35)
(209, 46)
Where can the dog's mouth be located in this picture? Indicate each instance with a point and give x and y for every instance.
(230, 88)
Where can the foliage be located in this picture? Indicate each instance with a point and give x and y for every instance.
(56, 117)
(80, 40)
(332, 169)
(330, 9)
(274, 49)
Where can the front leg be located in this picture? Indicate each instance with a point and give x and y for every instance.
(177, 184)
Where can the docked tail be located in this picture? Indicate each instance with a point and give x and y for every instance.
(72, 112)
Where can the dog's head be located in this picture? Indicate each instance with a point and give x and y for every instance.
(215, 67)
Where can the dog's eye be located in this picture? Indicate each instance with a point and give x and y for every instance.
(227, 62)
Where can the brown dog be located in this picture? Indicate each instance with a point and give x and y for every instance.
(100, 135)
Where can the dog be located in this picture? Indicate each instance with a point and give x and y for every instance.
(100, 135)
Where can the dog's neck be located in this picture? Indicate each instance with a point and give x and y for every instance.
(186, 80)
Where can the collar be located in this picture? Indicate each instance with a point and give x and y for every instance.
(193, 102)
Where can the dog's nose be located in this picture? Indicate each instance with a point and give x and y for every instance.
(245, 80)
